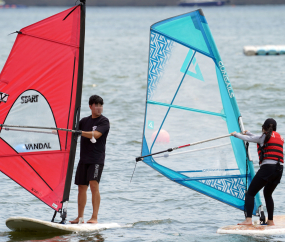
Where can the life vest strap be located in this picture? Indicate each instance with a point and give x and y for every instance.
(276, 156)
(273, 150)
(273, 144)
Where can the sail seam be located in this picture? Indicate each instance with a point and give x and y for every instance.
(50, 40)
(186, 108)
(33, 153)
(37, 173)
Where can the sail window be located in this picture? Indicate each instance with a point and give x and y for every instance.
(31, 109)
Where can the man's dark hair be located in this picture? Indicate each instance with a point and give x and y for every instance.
(95, 99)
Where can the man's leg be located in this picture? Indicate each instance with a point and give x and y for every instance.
(82, 198)
(94, 186)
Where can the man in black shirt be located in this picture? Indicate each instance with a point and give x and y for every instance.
(95, 129)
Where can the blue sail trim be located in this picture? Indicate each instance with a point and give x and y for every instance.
(182, 43)
(173, 99)
(171, 19)
(188, 109)
(209, 177)
(207, 170)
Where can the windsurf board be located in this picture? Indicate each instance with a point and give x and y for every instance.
(256, 228)
(36, 225)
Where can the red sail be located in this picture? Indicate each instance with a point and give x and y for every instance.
(38, 87)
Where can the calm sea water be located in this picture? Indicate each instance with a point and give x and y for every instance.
(152, 208)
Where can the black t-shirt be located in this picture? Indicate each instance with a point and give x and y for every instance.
(94, 153)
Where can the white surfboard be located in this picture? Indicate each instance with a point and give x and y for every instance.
(256, 229)
(31, 224)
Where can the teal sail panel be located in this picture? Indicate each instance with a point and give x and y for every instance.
(190, 98)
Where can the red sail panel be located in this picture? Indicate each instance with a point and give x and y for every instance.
(40, 79)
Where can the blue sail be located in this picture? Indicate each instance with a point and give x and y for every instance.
(190, 98)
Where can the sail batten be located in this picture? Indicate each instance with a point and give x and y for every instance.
(34, 153)
(189, 98)
(186, 108)
(208, 177)
(204, 170)
(50, 40)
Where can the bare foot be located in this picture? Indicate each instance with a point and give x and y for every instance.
(248, 221)
(92, 221)
(77, 220)
(270, 222)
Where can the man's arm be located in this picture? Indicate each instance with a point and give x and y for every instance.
(88, 134)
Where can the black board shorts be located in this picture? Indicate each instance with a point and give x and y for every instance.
(88, 172)
(271, 173)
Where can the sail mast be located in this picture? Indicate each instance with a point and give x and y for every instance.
(76, 117)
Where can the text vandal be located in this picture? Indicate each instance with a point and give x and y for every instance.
(37, 146)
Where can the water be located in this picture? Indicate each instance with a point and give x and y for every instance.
(152, 208)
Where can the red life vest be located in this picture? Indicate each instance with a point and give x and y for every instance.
(273, 149)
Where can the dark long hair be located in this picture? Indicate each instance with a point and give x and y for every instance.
(267, 132)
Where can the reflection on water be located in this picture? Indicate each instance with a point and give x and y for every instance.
(30, 236)
(50, 237)
(92, 237)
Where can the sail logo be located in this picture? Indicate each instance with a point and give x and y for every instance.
(226, 79)
(150, 124)
(193, 69)
(37, 192)
(38, 146)
(54, 205)
(3, 97)
(31, 99)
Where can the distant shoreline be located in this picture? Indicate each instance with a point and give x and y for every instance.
(132, 3)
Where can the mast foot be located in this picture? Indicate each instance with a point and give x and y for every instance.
(55, 212)
(262, 218)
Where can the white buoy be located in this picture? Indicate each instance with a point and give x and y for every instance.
(264, 50)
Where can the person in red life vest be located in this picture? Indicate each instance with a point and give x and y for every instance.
(270, 151)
